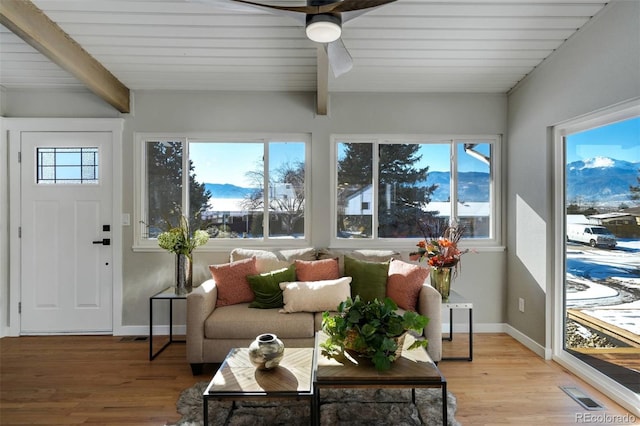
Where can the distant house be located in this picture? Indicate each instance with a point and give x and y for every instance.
(623, 224)
(360, 202)
(615, 218)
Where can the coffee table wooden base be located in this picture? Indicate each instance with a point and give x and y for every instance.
(238, 379)
(414, 369)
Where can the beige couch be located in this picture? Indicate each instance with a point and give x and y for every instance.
(212, 331)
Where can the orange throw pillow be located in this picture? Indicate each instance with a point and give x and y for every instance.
(231, 280)
(404, 283)
(317, 270)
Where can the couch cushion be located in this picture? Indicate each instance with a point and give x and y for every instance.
(404, 283)
(317, 270)
(368, 255)
(231, 281)
(314, 296)
(240, 322)
(297, 254)
(266, 287)
(266, 261)
(369, 278)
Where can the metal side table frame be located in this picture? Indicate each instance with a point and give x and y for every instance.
(457, 301)
(167, 294)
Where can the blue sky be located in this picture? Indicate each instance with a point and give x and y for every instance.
(436, 156)
(620, 141)
(229, 162)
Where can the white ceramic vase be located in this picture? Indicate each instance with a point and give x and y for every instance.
(266, 351)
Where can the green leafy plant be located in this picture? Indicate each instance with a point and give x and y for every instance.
(371, 330)
(180, 240)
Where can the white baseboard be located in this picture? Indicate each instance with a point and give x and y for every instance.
(180, 330)
(527, 341)
(477, 328)
(143, 330)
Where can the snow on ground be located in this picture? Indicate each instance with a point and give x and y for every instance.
(606, 283)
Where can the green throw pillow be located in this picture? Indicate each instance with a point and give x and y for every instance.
(266, 287)
(369, 279)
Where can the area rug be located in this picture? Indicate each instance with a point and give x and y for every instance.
(337, 407)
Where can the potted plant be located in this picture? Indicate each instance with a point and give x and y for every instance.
(182, 241)
(372, 330)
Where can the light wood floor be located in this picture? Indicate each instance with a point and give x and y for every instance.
(102, 380)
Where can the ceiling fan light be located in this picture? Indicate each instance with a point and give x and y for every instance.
(323, 28)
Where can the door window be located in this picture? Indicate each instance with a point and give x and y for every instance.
(67, 165)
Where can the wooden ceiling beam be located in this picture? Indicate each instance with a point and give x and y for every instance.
(28, 22)
(322, 89)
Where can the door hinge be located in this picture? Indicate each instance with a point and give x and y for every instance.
(19, 157)
(19, 231)
(19, 307)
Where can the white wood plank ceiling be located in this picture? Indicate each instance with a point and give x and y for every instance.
(406, 46)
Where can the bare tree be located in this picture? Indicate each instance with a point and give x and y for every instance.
(285, 196)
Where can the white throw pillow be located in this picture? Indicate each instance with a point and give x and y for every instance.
(314, 296)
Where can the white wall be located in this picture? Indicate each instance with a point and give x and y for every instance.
(164, 111)
(273, 112)
(598, 67)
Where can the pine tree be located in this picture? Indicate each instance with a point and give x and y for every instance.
(401, 198)
(402, 194)
(164, 189)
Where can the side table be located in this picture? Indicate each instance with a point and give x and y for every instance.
(457, 301)
(168, 294)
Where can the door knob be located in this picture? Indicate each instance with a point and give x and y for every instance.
(104, 242)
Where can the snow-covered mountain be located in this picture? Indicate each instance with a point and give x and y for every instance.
(598, 181)
(601, 181)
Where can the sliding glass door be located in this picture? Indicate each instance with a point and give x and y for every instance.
(597, 312)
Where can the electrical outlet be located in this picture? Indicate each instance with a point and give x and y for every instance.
(521, 304)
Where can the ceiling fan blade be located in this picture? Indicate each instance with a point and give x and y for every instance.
(353, 5)
(339, 58)
(296, 9)
(226, 5)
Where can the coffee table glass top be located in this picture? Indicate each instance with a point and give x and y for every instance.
(237, 376)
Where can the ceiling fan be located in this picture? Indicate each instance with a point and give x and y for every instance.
(323, 21)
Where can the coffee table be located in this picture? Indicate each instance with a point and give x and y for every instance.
(414, 369)
(238, 379)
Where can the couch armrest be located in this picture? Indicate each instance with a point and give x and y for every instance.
(430, 305)
(200, 303)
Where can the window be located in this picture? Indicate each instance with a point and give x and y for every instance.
(67, 165)
(233, 188)
(399, 188)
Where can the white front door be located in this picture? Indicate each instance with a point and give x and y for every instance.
(66, 228)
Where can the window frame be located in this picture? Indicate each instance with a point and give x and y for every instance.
(495, 182)
(143, 244)
(555, 301)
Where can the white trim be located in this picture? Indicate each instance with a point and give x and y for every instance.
(555, 299)
(158, 330)
(527, 341)
(14, 127)
(214, 245)
(4, 227)
(180, 329)
(496, 185)
(620, 394)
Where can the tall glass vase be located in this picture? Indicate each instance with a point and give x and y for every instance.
(184, 274)
(441, 280)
